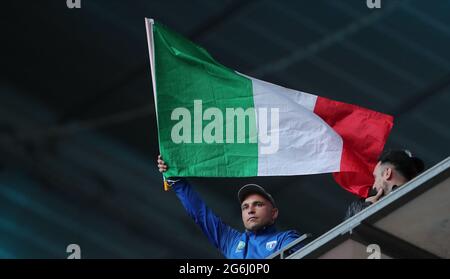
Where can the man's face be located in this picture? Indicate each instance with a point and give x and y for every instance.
(379, 174)
(257, 212)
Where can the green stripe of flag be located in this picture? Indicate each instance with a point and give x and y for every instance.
(185, 72)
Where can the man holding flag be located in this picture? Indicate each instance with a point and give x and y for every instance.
(259, 213)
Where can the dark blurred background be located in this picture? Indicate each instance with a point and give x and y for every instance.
(78, 138)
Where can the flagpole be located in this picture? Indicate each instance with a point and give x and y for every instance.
(151, 51)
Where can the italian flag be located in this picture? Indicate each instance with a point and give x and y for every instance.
(217, 122)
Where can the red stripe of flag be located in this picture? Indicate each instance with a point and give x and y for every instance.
(364, 133)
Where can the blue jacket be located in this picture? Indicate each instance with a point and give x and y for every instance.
(230, 242)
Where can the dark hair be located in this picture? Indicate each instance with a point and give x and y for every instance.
(404, 162)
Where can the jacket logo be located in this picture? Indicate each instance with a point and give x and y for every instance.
(271, 245)
(240, 246)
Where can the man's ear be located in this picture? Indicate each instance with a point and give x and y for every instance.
(387, 174)
(274, 213)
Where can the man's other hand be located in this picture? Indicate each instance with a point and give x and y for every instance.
(375, 198)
